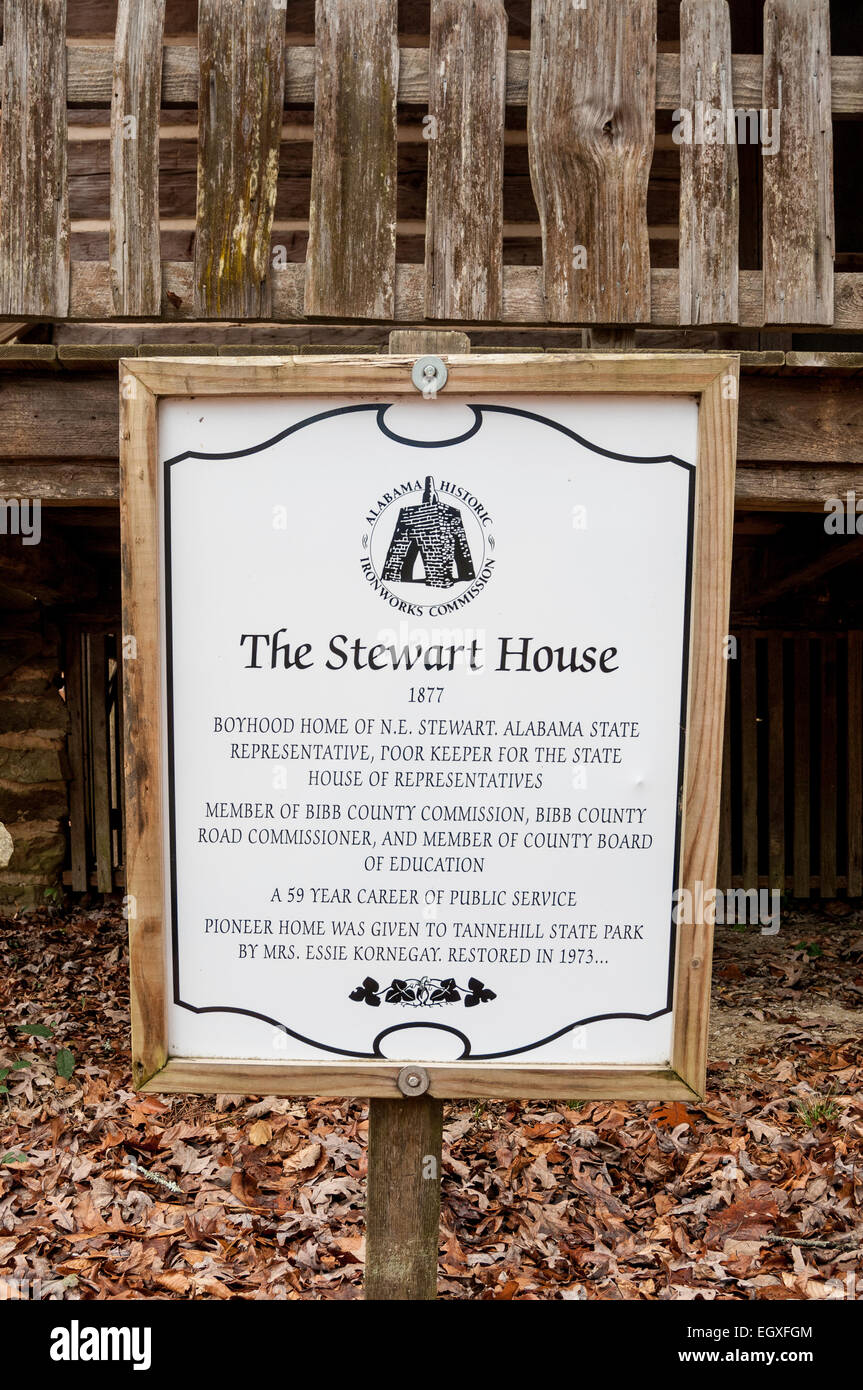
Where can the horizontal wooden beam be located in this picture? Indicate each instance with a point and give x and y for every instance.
(70, 354)
(819, 361)
(800, 437)
(783, 488)
(15, 355)
(58, 415)
(61, 483)
(788, 487)
(446, 1079)
(523, 299)
(405, 226)
(808, 418)
(89, 76)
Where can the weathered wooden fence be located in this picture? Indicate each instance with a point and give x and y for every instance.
(319, 168)
(792, 815)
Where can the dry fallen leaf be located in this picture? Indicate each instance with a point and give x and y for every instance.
(260, 1133)
(355, 1246)
(671, 1114)
(173, 1281)
(744, 1220)
(306, 1157)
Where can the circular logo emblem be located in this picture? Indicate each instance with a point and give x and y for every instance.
(429, 546)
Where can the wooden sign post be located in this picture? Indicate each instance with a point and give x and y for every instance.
(424, 677)
(406, 1141)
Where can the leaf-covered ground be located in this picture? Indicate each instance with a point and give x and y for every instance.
(757, 1193)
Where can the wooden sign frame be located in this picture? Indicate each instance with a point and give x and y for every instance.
(710, 377)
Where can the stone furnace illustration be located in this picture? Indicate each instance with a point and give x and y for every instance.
(433, 532)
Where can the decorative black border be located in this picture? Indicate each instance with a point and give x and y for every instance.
(376, 1053)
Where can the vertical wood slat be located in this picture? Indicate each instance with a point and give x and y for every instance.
(145, 872)
(118, 752)
(714, 521)
(775, 762)
(77, 790)
(86, 698)
(101, 754)
(351, 255)
(242, 90)
(709, 194)
(749, 758)
(828, 767)
(802, 772)
(798, 179)
(111, 730)
(134, 248)
(723, 870)
(855, 764)
(34, 207)
(464, 213)
(591, 126)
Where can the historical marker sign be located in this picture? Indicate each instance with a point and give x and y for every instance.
(441, 709)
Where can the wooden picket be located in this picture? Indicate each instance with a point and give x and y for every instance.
(242, 56)
(101, 809)
(34, 206)
(798, 178)
(829, 766)
(749, 757)
(78, 744)
(351, 259)
(855, 765)
(464, 218)
(802, 759)
(93, 696)
(134, 247)
(776, 760)
(590, 124)
(709, 186)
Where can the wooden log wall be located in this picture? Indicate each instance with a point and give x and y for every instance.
(490, 171)
(792, 816)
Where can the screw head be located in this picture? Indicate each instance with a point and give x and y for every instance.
(413, 1081)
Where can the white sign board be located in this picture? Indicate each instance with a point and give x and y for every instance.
(425, 684)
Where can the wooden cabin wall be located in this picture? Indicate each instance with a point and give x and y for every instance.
(105, 178)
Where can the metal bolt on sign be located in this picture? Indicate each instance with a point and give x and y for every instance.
(429, 375)
(413, 1081)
